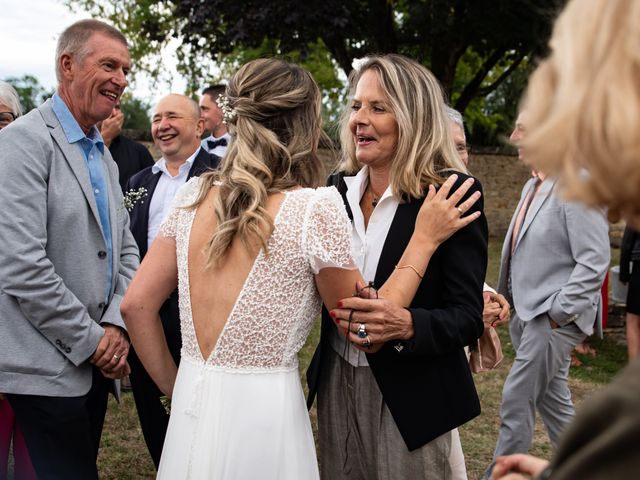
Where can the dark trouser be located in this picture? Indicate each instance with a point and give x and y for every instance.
(153, 417)
(63, 433)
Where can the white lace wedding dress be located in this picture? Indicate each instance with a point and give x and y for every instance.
(241, 414)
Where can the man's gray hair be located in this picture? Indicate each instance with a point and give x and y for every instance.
(73, 41)
(10, 98)
(456, 117)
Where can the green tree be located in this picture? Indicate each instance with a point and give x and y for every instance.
(136, 113)
(30, 91)
(472, 46)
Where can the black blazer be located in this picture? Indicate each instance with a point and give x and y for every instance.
(169, 312)
(629, 252)
(131, 158)
(426, 382)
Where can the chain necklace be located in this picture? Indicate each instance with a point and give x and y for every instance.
(374, 198)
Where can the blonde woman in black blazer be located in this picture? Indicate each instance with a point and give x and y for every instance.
(390, 397)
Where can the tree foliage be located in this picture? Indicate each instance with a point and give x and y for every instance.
(136, 113)
(472, 46)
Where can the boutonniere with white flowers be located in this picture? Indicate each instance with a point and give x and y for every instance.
(133, 196)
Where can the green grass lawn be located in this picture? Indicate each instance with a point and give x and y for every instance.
(123, 454)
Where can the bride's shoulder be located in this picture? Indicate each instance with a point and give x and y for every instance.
(320, 198)
(324, 205)
(317, 194)
(188, 193)
(327, 197)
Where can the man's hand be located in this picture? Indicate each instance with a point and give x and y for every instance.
(112, 351)
(118, 373)
(496, 309)
(112, 126)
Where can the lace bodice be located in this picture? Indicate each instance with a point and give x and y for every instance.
(278, 303)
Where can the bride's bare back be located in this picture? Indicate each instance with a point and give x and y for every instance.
(215, 290)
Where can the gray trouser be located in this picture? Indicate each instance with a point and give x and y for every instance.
(538, 380)
(358, 439)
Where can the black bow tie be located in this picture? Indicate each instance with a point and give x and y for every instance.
(214, 143)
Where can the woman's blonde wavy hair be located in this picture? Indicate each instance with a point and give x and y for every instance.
(583, 104)
(276, 130)
(425, 148)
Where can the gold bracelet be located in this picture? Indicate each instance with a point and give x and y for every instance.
(408, 265)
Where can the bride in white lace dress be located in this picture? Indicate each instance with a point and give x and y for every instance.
(254, 249)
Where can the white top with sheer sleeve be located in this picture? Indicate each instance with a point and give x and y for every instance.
(279, 302)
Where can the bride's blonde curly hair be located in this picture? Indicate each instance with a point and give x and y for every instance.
(276, 128)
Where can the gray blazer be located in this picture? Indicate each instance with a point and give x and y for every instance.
(53, 265)
(559, 262)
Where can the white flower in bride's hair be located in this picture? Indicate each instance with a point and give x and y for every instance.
(132, 197)
(228, 112)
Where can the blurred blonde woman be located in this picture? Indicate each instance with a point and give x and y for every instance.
(586, 97)
(253, 249)
(584, 111)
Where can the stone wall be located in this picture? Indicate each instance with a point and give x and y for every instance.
(502, 177)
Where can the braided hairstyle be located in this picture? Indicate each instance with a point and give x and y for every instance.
(276, 126)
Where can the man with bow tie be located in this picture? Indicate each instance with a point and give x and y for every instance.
(219, 139)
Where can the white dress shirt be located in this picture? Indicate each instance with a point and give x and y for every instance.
(166, 189)
(367, 246)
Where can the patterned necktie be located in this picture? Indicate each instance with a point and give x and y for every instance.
(222, 142)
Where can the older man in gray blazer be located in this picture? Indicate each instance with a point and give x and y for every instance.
(554, 259)
(66, 257)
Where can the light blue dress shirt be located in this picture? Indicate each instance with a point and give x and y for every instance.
(92, 147)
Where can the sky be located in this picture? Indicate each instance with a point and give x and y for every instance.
(29, 30)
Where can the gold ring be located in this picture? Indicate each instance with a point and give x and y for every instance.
(459, 210)
(116, 356)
